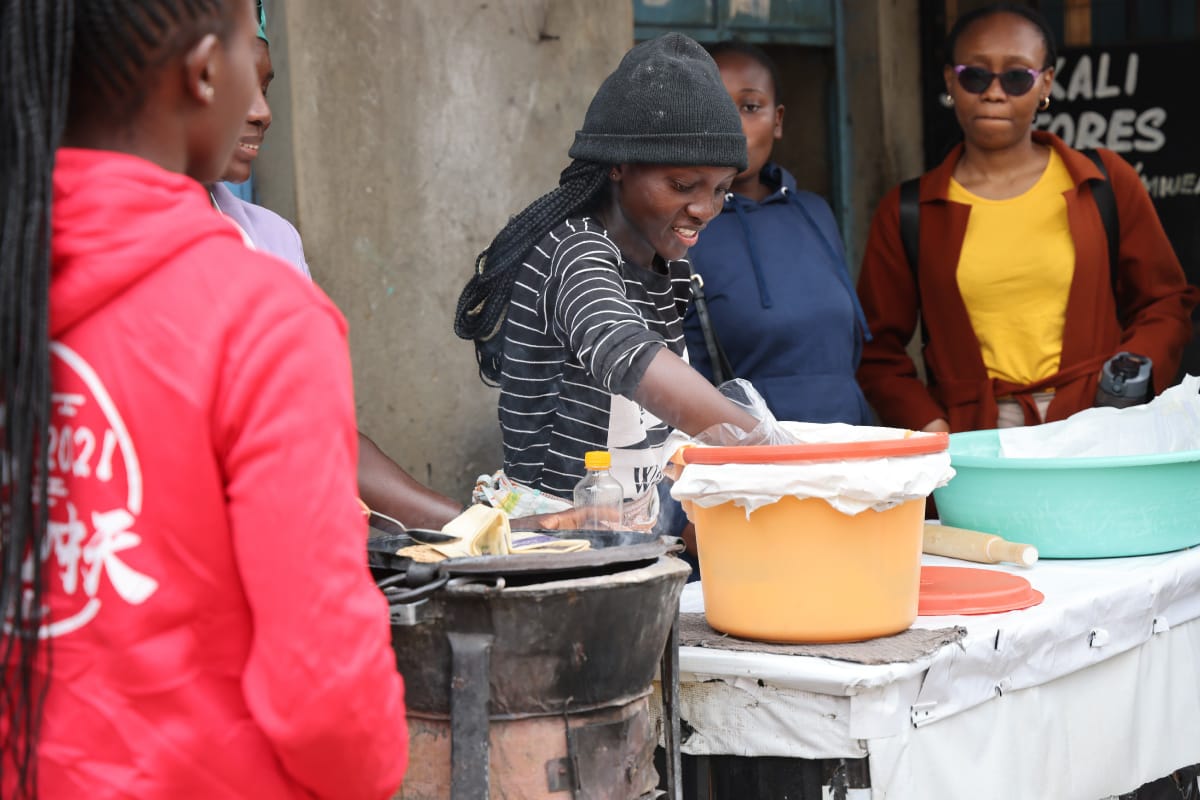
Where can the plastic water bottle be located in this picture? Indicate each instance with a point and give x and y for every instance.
(598, 494)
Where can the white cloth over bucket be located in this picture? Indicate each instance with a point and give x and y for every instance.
(850, 486)
(1170, 423)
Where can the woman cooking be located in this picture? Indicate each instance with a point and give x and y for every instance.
(576, 307)
(1013, 280)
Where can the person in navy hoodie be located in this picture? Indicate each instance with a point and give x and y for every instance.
(781, 300)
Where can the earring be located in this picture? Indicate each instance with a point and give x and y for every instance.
(1045, 103)
(612, 175)
(946, 100)
(209, 91)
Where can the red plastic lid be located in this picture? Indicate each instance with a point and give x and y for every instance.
(963, 590)
(821, 451)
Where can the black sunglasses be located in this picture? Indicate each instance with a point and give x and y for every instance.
(1014, 82)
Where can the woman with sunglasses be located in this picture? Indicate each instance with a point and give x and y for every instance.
(1013, 279)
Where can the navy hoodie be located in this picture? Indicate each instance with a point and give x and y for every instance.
(782, 303)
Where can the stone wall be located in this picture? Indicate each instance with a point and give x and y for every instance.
(884, 69)
(405, 134)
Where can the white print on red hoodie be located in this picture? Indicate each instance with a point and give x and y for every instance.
(89, 442)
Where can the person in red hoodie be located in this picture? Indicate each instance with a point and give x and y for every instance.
(188, 611)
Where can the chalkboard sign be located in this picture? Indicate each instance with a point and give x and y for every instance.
(1135, 101)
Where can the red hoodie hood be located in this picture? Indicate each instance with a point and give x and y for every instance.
(117, 218)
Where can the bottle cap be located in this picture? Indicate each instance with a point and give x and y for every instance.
(597, 459)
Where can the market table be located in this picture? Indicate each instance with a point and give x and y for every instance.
(1091, 694)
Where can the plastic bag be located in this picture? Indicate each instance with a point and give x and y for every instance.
(515, 499)
(1170, 423)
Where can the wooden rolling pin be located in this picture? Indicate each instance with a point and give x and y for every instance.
(983, 548)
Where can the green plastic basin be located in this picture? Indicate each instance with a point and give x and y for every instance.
(1074, 507)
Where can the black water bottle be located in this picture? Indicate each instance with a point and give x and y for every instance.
(1124, 381)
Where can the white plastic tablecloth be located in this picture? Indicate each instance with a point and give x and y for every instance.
(1090, 694)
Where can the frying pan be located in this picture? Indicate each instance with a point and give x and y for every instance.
(404, 580)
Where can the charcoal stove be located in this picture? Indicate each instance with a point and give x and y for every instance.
(528, 676)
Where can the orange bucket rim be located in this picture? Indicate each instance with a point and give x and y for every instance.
(914, 445)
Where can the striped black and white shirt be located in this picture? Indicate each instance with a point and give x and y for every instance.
(583, 324)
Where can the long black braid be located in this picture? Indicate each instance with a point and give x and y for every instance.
(34, 61)
(483, 304)
(61, 62)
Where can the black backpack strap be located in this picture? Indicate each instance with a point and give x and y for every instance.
(721, 369)
(1106, 204)
(910, 238)
(910, 222)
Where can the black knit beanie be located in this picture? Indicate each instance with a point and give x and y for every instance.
(664, 104)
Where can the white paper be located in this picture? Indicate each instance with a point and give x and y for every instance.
(1170, 423)
(851, 486)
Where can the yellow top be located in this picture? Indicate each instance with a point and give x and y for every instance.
(597, 459)
(1014, 274)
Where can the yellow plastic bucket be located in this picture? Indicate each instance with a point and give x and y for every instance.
(801, 571)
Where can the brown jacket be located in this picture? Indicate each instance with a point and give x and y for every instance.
(1154, 298)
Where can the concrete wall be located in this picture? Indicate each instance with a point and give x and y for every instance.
(884, 71)
(807, 77)
(405, 134)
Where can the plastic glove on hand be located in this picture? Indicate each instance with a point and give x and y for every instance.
(768, 430)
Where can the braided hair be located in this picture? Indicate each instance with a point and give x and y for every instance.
(34, 41)
(483, 304)
(77, 62)
(118, 43)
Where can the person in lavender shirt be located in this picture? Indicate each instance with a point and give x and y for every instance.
(382, 484)
(264, 228)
